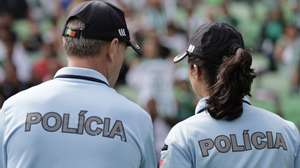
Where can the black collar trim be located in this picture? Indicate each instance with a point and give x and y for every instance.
(83, 78)
(203, 109)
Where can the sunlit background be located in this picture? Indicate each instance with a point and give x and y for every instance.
(31, 51)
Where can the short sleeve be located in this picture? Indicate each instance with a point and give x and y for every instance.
(175, 152)
(297, 158)
(2, 128)
(296, 137)
(149, 156)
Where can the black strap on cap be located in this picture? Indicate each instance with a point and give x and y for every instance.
(83, 78)
(205, 108)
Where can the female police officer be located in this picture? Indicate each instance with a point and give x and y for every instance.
(227, 131)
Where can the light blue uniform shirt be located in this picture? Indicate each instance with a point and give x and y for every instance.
(258, 139)
(73, 121)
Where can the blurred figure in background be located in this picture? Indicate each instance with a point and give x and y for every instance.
(175, 38)
(15, 8)
(287, 52)
(226, 16)
(46, 67)
(33, 41)
(13, 50)
(272, 30)
(155, 16)
(296, 79)
(11, 84)
(153, 78)
(160, 126)
(184, 95)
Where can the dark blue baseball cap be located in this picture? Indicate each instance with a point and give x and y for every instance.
(212, 41)
(103, 21)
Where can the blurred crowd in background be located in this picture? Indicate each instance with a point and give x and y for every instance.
(31, 50)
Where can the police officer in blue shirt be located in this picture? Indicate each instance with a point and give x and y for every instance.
(77, 119)
(226, 130)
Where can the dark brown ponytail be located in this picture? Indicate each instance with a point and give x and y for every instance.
(233, 81)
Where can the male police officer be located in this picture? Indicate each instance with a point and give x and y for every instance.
(78, 119)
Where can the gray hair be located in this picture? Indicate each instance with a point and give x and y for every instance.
(81, 47)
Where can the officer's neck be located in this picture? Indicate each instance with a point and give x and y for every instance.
(201, 88)
(90, 63)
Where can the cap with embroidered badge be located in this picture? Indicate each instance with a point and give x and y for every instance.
(102, 21)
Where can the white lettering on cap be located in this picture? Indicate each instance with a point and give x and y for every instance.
(191, 48)
(122, 32)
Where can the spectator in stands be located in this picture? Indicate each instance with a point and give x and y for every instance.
(155, 17)
(46, 67)
(16, 8)
(226, 15)
(160, 126)
(287, 52)
(175, 38)
(11, 84)
(272, 30)
(184, 95)
(296, 80)
(146, 77)
(14, 51)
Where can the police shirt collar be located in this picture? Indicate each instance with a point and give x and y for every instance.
(82, 73)
(201, 105)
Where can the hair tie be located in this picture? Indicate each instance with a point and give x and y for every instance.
(234, 47)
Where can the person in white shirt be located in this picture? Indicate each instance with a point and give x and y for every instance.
(146, 76)
(226, 130)
(77, 119)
